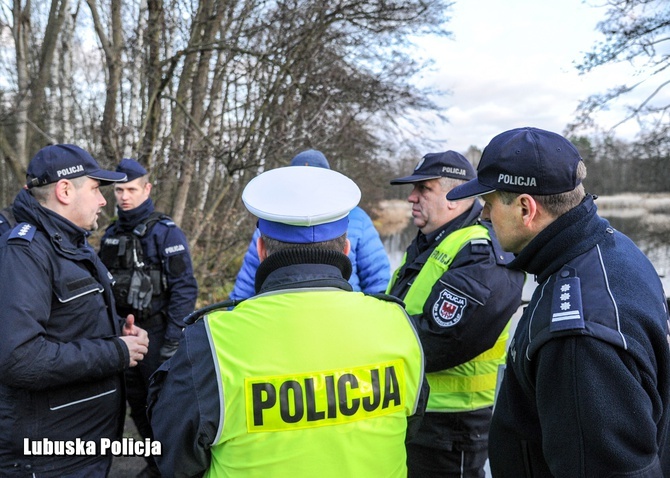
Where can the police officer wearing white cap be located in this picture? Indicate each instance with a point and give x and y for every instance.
(63, 348)
(307, 378)
(461, 297)
(371, 270)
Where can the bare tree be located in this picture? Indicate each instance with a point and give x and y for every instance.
(207, 94)
(24, 128)
(112, 45)
(638, 32)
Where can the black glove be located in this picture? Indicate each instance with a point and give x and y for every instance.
(168, 349)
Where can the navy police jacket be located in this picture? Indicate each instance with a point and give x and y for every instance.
(165, 245)
(61, 360)
(586, 391)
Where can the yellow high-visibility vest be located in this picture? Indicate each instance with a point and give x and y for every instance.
(471, 385)
(314, 382)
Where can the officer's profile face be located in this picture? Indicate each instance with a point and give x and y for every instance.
(430, 208)
(133, 193)
(87, 203)
(509, 221)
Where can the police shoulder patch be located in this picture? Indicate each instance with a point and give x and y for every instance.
(448, 308)
(175, 249)
(566, 303)
(23, 231)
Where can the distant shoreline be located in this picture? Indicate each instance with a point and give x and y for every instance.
(634, 204)
(391, 216)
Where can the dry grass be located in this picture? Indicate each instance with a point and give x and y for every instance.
(630, 204)
(391, 216)
(394, 215)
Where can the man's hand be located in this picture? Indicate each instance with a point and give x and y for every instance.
(136, 339)
(129, 328)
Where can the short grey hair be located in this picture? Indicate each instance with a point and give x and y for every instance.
(450, 183)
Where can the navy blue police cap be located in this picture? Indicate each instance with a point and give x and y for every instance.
(524, 160)
(448, 164)
(301, 204)
(66, 161)
(131, 168)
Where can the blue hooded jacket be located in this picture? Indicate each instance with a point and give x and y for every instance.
(370, 264)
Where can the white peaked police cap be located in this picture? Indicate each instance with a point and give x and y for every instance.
(301, 204)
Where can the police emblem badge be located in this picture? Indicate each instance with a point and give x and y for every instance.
(448, 308)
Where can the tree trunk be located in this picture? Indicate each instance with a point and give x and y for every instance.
(112, 49)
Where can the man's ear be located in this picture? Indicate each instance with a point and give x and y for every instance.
(260, 247)
(534, 217)
(347, 247)
(64, 191)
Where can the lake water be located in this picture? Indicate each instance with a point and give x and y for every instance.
(649, 231)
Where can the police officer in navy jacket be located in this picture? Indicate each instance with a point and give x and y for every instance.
(456, 288)
(168, 284)
(586, 391)
(63, 349)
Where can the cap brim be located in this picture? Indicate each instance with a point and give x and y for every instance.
(472, 188)
(107, 176)
(414, 179)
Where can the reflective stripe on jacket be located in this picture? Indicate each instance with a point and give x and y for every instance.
(471, 385)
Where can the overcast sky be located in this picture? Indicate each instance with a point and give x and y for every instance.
(511, 64)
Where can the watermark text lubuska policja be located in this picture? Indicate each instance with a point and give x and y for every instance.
(106, 446)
